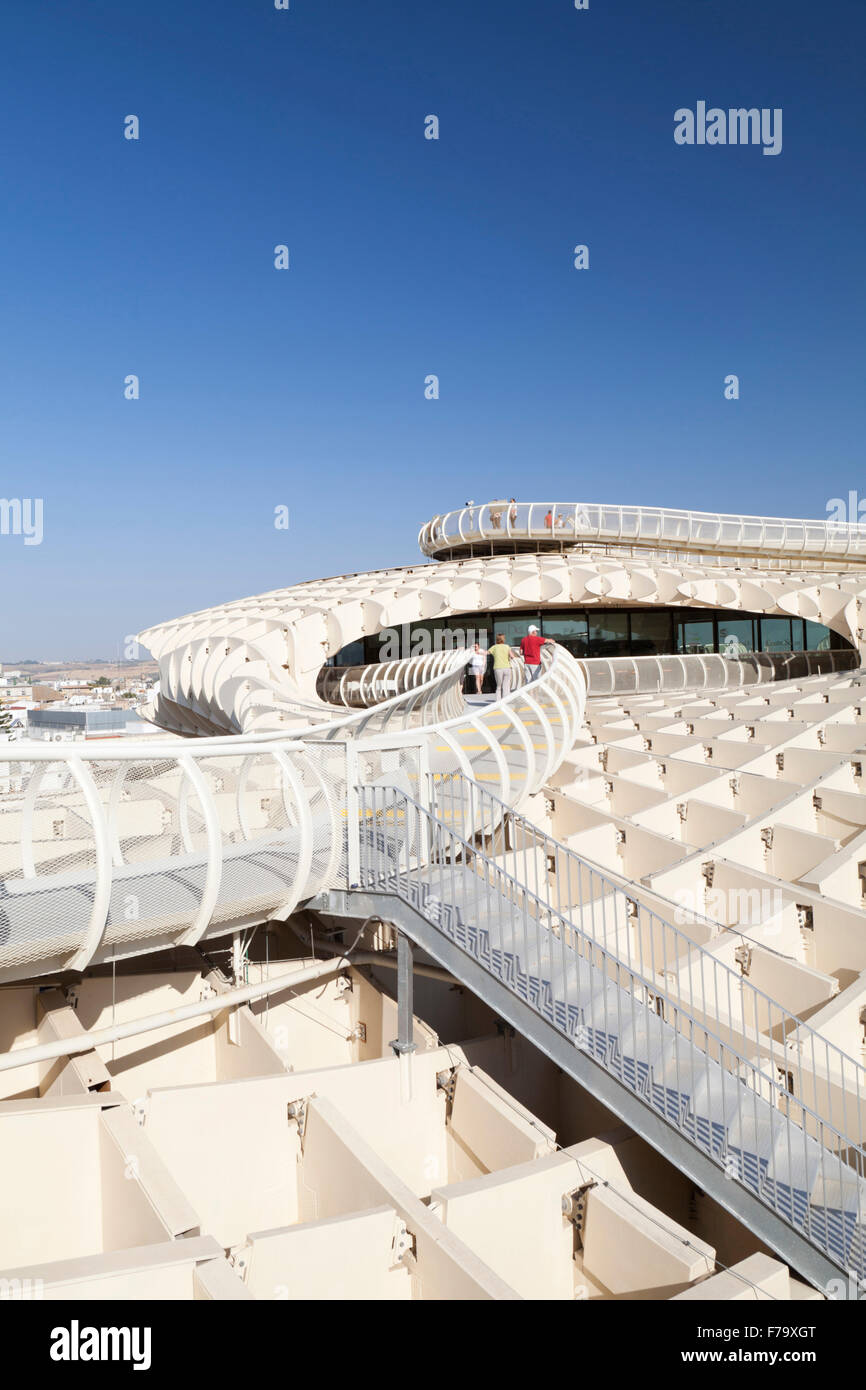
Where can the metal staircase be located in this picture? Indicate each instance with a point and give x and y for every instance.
(682, 1047)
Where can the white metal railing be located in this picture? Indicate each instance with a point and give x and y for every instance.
(421, 688)
(555, 523)
(361, 686)
(107, 851)
(691, 1037)
(709, 671)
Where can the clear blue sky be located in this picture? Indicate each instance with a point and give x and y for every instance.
(305, 388)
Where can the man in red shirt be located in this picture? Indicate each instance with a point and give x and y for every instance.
(530, 648)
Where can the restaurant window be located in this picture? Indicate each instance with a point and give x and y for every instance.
(513, 629)
(571, 630)
(651, 633)
(775, 634)
(465, 630)
(608, 634)
(353, 654)
(696, 635)
(819, 638)
(736, 635)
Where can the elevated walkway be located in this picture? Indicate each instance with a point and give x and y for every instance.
(399, 812)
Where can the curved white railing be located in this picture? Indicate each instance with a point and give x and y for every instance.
(114, 850)
(710, 671)
(359, 687)
(506, 523)
(428, 687)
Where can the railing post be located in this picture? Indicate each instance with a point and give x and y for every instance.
(353, 823)
(404, 1042)
(195, 778)
(102, 873)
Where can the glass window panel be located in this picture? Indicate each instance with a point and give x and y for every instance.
(818, 637)
(775, 634)
(350, 655)
(513, 628)
(736, 636)
(651, 633)
(797, 642)
(569, 629)
(696, 635)
(465, 629)
(608, 634)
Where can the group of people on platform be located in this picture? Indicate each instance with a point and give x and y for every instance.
(503, 656)
(560, 521)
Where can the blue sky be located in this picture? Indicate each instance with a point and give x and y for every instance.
(305, 388)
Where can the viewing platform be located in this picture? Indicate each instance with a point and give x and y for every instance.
(508, 526)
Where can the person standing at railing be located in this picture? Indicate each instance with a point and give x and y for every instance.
(530, 648)
(502, 666)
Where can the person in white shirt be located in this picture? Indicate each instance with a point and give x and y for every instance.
(478, 666)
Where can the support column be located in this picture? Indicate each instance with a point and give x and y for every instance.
(234, 1025)
(404, 1041)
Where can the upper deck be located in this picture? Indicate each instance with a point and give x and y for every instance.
(663, 532)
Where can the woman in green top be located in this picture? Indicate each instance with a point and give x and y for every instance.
(502, 666)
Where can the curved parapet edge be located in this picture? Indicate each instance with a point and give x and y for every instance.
(660, 529)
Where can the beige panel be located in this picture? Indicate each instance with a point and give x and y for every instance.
(514, 1220)
(345, 1257)
(342, 1173)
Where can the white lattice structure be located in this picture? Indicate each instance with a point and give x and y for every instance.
(253, 665)
(106, 852)
(552, 840)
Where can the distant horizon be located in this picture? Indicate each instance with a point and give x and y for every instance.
(15, 663)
